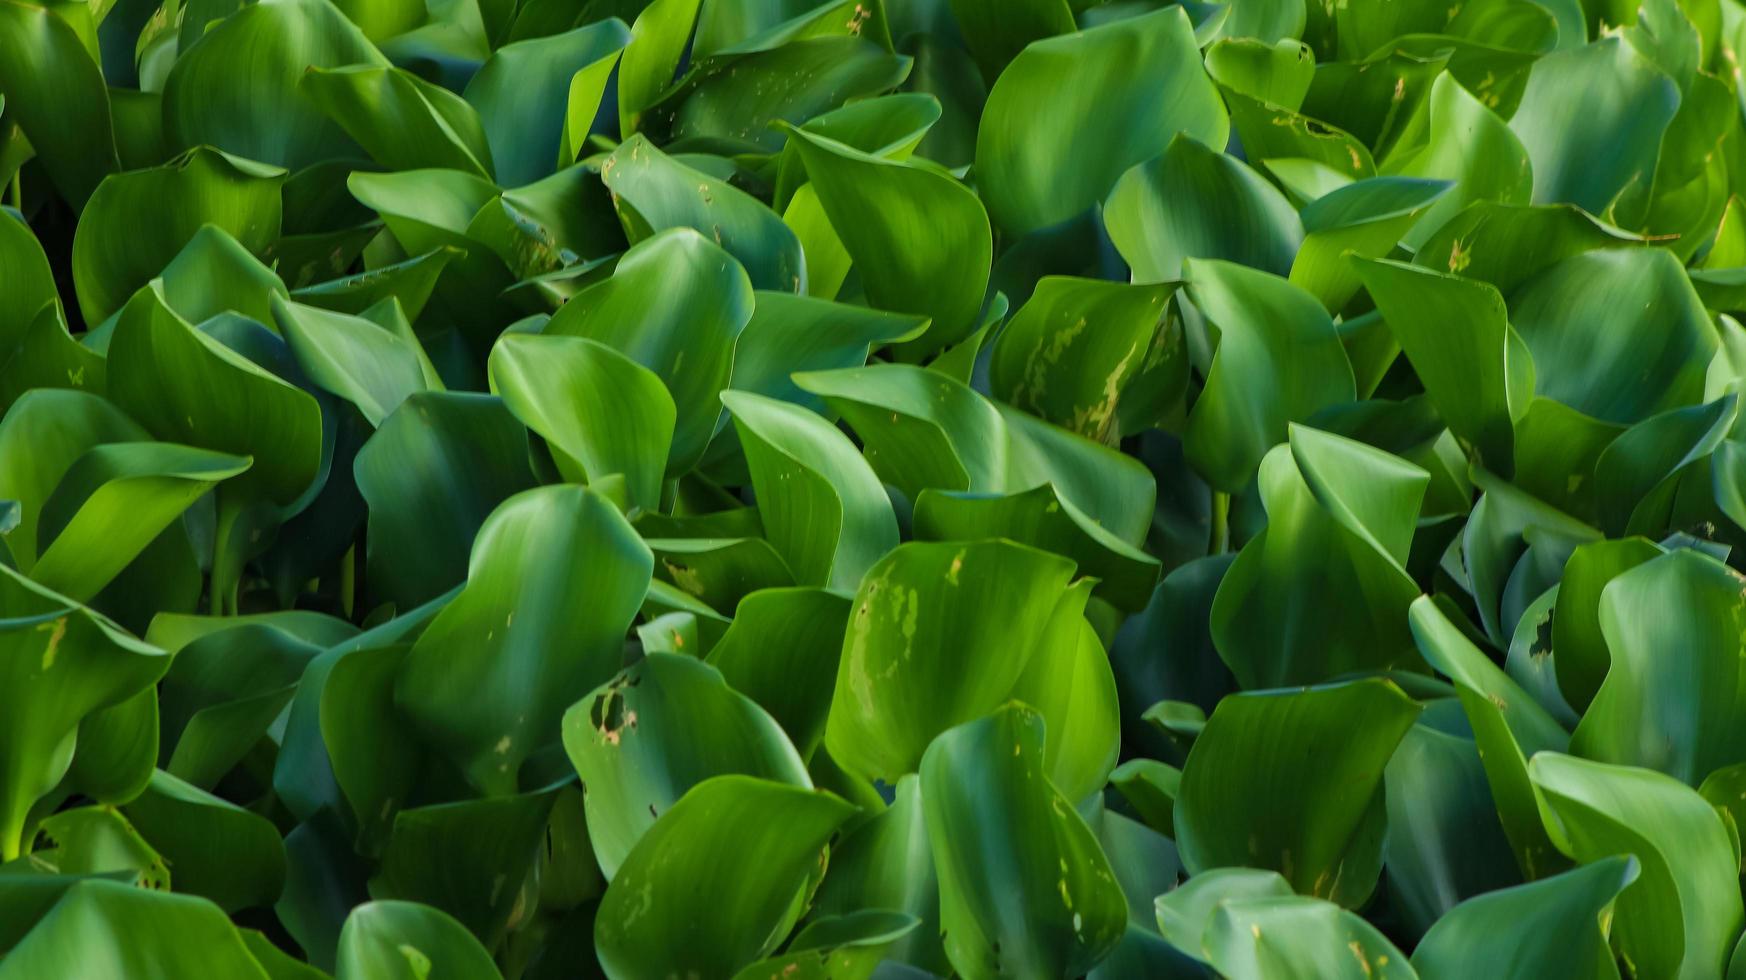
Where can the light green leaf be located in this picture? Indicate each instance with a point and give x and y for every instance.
(657, 729)
(186, 387)
(1278, 360)
(920, 240)
(1033, 181)
(101, 926)
(1194, 202)
(1246, 800)
(752, 838)
(676, 305)
(1557, 926)
(407, 941)
(137, 222)
(402, 121)
(236, 88)
(1674, 692)
(1681, 917)
(940, 634)
(1105, 360)
(599, 411)
(1025, 888)
(654, 192)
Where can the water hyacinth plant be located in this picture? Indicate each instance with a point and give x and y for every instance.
(783, 489)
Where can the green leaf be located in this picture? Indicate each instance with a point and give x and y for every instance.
(1042, 518)
(136, 222)
(1113, 380)
(1456, 333)
(1445, 842)
(654, 192)
(524, 92)
(1367, 217)
(1276, 72)
(1553, 927)
(62, 662)
(1194, 202)
(1513, 548)
(995, 32)
(58, 97)
(112, 503)
(1508, 726)
(29, 287)
(886, 862)
(102, 926)
(1278, 360)
(847, 947)
(772, 654)
(1591, 120)
(751, 838)
(355, 357)
(920, 240)
(549, 228)
(430, 209)
(184, 386)
(1467, 143)
(1639, 473)
(947, 436)
(1275, 133)
(1025, 888)
(940, 634)
(409, 282)
(652, 56)
(599, 411)
(1681, 918)
(226, 687)
(407, 941)
(1033, 181)
(1246, 799)
(471, 859)
(1297, 938)
(720, 572)
(1341, 518)
(1069, 681)
(788, 334)
(886, 126)
(659, 728)
(421, 527)
(402, 121)
(218, 850)
(736, 101)
(49, 357)
(98, 840)
(1583, 658)
(237, 87)
(41, 436)
(215, 273)
(1673, 688)
(821, 505)
(1593, 347)
(373, 761)
(676, 304)
(488, 690)
(1507, 245)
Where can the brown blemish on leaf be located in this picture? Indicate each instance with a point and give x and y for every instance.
(1458, 256)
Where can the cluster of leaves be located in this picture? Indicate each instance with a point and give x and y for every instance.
(793, 489)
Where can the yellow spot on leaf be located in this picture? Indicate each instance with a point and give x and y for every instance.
(57, 633)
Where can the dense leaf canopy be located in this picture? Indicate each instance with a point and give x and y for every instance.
(804, 489)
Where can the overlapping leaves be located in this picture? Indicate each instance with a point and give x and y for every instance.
(859, 488)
